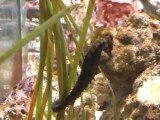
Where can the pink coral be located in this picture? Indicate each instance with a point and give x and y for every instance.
(110, 13)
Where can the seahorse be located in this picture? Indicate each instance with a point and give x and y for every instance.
(88, 71)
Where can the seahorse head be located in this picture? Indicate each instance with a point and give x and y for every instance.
(108, 44)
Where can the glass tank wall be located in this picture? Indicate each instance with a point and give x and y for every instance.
(11, 18)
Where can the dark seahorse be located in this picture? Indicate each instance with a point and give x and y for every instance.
(89, 69)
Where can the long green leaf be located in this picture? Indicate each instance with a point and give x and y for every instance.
(22, 42)
(81, 42)
(37, 31)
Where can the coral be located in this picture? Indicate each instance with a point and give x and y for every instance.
(110, 13)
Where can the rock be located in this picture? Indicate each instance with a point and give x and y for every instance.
(134, 52)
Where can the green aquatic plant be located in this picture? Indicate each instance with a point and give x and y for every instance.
(44, 31)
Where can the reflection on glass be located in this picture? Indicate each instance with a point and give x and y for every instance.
(10, 31)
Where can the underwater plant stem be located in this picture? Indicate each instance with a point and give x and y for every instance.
(47, 24)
